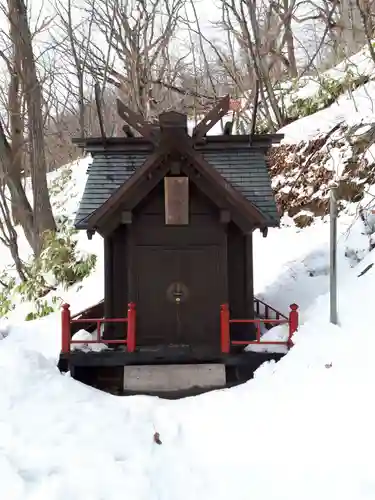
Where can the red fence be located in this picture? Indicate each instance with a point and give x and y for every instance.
(225, 323)
(263, 310)
(67, 320)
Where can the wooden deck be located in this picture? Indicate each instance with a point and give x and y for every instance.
(166, 355)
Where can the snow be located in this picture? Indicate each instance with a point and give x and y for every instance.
(87, 343)
(348, 108)
(336, 161)
(352, 107)
(303, 428)
(311, 412)
(277, 334)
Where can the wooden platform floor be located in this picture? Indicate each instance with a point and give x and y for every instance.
(166, 355)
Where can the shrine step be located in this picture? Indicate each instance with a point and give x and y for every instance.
(160, 378)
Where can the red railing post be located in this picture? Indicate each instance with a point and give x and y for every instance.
(293, 322)
(65, 328)
(258, 331)
(131, 327)
(224, 329)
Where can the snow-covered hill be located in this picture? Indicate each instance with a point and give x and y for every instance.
(302, 429)
(337, 141)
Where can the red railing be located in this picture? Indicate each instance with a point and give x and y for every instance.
(225, 323)
(267, 309)
(67, 320)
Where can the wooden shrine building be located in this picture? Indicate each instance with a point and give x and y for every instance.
(177, 214)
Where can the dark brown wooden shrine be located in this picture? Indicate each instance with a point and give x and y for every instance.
(177, 213)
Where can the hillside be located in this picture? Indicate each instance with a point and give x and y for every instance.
(302, 429)
(337, 140)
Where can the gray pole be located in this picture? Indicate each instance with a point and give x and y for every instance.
(333, 255)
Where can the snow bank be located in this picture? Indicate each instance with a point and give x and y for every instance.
(303, 428)
(350, 108)
(85, 337)
(279, 333)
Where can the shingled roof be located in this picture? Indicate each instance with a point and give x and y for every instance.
(106, 173)
(243, 167)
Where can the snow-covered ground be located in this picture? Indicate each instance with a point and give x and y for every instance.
(354, 107)
(351, 108)
(302, 429)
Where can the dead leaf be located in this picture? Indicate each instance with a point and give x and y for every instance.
(157, 438)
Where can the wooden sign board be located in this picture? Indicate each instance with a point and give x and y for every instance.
(176, 199)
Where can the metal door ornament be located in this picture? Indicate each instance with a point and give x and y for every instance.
(177, 292)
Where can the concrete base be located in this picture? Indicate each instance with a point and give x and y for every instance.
(173, 377)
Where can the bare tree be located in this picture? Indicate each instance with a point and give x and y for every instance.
(21, 36)
(25, 137)
(8, 234)
(73, 54)
(245, 24)
(366, 10)
(134, 51)
(283, 34)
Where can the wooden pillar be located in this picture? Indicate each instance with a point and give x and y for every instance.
(249, 276)
(224, 260)
(108, 285)
(130, 249)
(119, 295)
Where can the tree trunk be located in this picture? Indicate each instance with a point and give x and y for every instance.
(16, 135)
(17, 192)
(289, 40)
(259, 63)
(42, 210)
(366, 18)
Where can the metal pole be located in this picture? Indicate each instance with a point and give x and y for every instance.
(333, 255)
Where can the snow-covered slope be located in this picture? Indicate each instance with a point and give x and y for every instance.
(301, 430)
(355, 101)
(336, 142)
